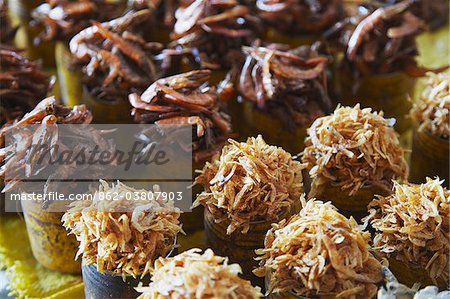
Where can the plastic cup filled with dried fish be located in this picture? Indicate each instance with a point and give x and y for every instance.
(110, 60)
(193, 274)
(187, 99)
(318, 253)
(133, 235)
(352, 155)
(245, 189)
(298, 22)
(51, 245)
(431, 131)
(379, 68)
(411, 229)
(284, 91)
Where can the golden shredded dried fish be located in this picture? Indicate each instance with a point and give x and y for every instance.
(413, 226)
(195, 275)
(431, 110)
(319, 252)
(123, 236)
(250, 181)
(354, 148)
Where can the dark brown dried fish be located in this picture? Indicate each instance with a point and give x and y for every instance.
(186, 99)
(300, 16)
(286, 82)
(7, 32)
(62, 19)
(18, 161)
(214, 29)
(119, 57)
(382, 40)
(22, 84)
(435, 13)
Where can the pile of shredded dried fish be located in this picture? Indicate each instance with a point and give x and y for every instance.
(119, 57)
(215, 29)
(186, 99)
(7, 31)
(319, 252)
(164, 9)
(195, 275)
(392, 289)
(62, 19)
(22, 84)
(380, 39)
(300, 16)
(354, 148)
(432, 109)
(249, 181)
(413, 225)
(123, 236)
(287, 83)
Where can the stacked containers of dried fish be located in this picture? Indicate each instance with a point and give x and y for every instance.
(298, 22)
(49, 241)
(379, 68)
(352, 155)
(192, 274)
(186, 99)
(284, 91)
(111, 60)
(245, 189)
(120, 239)
(318, 253)
(431, 131)
(20, 12)
(412, 230)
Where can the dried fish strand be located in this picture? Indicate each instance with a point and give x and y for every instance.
(249, 181)
(319, 252)
(123, 236)
(354, 148)
(195, 275)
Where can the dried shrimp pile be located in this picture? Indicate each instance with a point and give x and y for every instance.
(119, 57)
(432, 108)
(250, 181)
(186, 99)
(354, 148)
(300, 16)
(195, 275)
(214, 29)
(288, 83)
(123, 236)
(62, 19)
(413, 225)
(319, 252)
(22, 84)
(381, 40)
